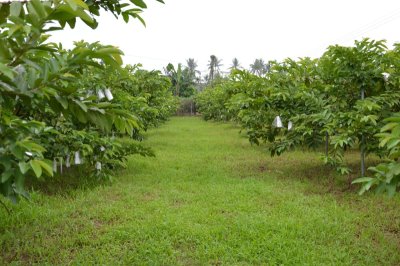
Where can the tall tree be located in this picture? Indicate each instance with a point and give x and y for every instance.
(213, 65)
(206, 78)
(259, 67)
(191, 65)
(235, 64)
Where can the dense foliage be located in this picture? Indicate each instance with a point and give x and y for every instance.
(182, 79)
(339, 100)
(387, 174)
(63, 107)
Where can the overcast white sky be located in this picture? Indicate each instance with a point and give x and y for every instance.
(250, 29)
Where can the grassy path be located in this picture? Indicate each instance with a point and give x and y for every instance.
(207, 198)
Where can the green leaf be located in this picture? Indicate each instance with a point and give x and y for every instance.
(139, 3)
(389, 126)
(80, 115)
(125, 16)
(72, 23)
(110, 50)
(13, 29)
(5, 70)
(393, 119)
(39, 8)
(6, 162)
(17, 151)
(75, 4)
(47, 167)
(15, 9)
(362, 180)
(81, 105)
(141, 20)
(392, 143)
(118, 59)
(6, 175)
(65, 13)
(62, 101)
(4, 13)
(24, 167)
(31, 146)
(95, 109)
(36, 167)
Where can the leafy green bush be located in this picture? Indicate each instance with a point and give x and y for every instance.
(211, 102)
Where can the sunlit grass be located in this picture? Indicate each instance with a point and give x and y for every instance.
(208, 197)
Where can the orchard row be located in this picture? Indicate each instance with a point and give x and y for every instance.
(347, 99)
(63, 109)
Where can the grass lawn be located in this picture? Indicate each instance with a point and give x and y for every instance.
(208, 197)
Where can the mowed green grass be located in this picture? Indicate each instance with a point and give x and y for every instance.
(208, 198)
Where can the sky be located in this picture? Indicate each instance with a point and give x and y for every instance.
(271, 30)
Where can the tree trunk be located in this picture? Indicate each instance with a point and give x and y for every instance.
(326, 144)
(362, 144)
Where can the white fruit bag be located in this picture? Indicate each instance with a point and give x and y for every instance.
(77, 158)
(98, 166)
(67, 162)
(100, 94)
(385, 76)
(54, 165)
(277, 122)
(108, 94)
(290, 125)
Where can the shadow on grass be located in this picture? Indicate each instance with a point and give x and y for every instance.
(71, 180)
(325, 178)
(307, 166)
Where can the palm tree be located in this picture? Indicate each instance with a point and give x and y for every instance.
(198, 79)
(259, 67)
(213, 66)
(235, 64)
(206, 78)
(191, 65)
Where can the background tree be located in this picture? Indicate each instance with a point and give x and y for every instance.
(213, 65)
(191, 65)
(175, 76)
(235, 64)
(183, 81)
(259, 67)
